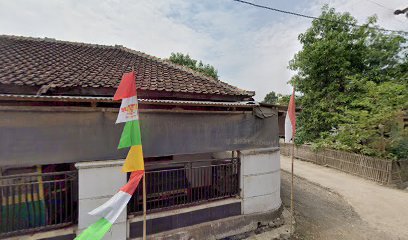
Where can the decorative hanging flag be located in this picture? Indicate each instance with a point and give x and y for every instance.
(128, 110)
(290, 119)
(134, 162)
(111, 209)
(129, 113)
(127, 92)
(131, 138)
(130, 135)
(127, 87)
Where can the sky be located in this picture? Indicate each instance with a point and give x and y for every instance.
(250, 47)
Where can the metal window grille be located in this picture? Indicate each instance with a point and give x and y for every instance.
(35, 202)
(175, 185)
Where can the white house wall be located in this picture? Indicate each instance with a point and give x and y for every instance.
(260, 180)
(98, 181)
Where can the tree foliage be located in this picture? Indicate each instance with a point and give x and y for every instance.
(280, 99)
(271, 98)
(199, 66)
(354, 86)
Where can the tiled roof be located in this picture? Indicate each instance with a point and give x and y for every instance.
(50, 67)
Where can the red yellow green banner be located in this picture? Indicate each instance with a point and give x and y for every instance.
(128, 112)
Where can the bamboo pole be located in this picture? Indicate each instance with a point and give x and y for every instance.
(144, 206)
(144, 193)
(292, 208)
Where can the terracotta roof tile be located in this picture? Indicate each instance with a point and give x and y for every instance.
(37, 62)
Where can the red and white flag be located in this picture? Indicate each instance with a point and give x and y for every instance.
(290, 120)
(127, 92)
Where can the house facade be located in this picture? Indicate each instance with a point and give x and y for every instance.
(211, 152)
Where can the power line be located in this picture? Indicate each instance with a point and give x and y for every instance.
(318, 18)
(386, 8)
(378, 4)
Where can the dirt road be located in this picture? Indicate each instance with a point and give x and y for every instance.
(335, 205)
(322, 214)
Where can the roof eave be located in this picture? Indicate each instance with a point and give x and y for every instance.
(14, 97)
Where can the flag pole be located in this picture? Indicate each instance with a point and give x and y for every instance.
(291, 187)
(292, 207)
(144, 206)
(144, 192)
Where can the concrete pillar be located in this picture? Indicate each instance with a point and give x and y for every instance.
(260, 180)
(97, 182)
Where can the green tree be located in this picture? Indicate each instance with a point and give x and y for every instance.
(199, 66)
(271, 98)
(280, 99)
(352, 80)
(283, 99)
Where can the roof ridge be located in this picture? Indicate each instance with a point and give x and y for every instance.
(53, 40)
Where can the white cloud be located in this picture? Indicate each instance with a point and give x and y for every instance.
(251, 47)
(142, 25)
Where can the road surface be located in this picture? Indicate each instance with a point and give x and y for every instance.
(334, 205)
